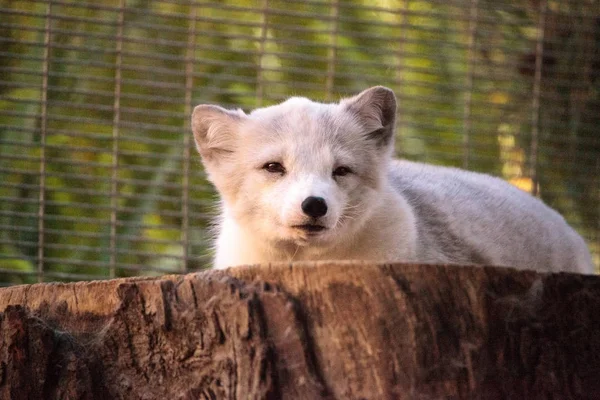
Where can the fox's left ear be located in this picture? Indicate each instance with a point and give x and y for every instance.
(215, 130)
(375, 109)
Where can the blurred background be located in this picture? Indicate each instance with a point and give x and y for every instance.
(99, 177)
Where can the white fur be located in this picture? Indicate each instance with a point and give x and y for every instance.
(384, 210)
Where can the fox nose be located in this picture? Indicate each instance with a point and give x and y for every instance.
(314, 206)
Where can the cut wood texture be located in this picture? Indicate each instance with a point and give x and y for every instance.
(306, 331)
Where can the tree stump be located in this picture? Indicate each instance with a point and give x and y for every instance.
(306, 331)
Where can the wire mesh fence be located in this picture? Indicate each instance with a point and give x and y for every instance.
(98, 174)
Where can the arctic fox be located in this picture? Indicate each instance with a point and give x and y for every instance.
(310, 181)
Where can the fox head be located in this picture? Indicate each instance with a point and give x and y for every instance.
(300, 172)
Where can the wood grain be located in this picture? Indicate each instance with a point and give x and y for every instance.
(306, 331)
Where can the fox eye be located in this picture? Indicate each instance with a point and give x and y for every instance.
(274, 168)
(341, 171)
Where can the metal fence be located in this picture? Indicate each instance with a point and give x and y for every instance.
(98, 173)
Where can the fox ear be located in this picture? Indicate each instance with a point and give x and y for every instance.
(215, 129)
(375, 109)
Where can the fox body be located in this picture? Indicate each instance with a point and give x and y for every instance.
(310, 181)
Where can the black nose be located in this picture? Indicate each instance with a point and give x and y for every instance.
(314, 206)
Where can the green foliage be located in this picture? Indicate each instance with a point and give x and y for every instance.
(460, 105)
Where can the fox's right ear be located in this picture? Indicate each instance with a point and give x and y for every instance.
(375, 109)
(215, 130)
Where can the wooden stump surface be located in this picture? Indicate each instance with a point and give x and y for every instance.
(306, 331)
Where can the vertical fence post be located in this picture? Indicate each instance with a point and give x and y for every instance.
(43, 133)
(114, 186)
(467, 123)
(189, 84)
(332, 50)
(260, 90)
(535, 107)
(400, 68)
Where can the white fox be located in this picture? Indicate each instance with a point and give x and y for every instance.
(310, 181)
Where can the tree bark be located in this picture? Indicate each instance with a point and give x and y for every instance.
(306, 331)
